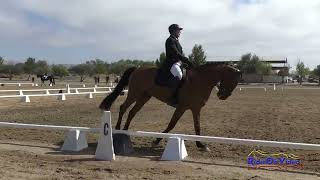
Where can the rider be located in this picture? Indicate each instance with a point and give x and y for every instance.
(45, 75)
(174, 59)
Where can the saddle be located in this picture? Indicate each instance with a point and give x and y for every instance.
(164, 79)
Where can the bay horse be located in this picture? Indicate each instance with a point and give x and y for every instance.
(48, 78)
(192, 95)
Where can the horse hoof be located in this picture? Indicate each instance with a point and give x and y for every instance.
(205, 149)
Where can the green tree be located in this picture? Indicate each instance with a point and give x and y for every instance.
(30, 67)
(100, 67)
(120, 66)
(263, 68)
(42, 67)
(12, 69)
(197, 55)
(1, 60)
(161, 59)
(283, 72)
(250, 64)
(83, 70)
(60, 71)
(316, 72)
(301, 70)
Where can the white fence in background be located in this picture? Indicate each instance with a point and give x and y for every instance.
(18, 84)
(61, 96)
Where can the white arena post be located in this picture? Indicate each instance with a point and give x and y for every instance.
(90, 96)
(175, 150)
(47, 91)
(25, 99)
(105, 149)
(20, 92)
(62, 97)
(75, 140)
(68, 89)
(274, 87)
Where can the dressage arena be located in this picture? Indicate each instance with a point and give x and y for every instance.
(290, 115)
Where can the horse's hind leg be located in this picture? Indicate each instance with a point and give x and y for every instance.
(176, 116)
(139, 104)
(123, 108)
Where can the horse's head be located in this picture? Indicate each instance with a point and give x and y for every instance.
(230, 76)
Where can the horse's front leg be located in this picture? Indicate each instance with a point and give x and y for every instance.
(176, 116)
(196, 121)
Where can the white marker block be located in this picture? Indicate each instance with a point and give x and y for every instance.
(90, 96)
(25, 99)
(105, 149)
(75, 140)
(68, 89)
(175, 150)
(62, 97)
(20, 93)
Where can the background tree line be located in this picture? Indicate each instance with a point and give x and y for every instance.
(248, 63)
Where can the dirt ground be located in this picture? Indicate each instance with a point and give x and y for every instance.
(289, 115)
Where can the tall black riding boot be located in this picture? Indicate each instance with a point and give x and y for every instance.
(175, 86)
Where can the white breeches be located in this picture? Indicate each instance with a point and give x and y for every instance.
(176, 70)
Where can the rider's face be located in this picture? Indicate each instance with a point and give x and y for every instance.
(177, 33)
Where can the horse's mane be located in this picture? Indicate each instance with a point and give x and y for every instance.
(214, 64)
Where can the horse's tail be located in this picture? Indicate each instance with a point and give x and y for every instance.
(124, 81)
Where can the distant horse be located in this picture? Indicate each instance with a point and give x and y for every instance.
(192, 95)
(47, 78)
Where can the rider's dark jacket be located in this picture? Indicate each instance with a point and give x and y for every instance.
(174, 53)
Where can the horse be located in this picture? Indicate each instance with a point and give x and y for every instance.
(48, 78)
(193, 94)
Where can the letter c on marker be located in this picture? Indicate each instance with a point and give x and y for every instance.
(105, 129)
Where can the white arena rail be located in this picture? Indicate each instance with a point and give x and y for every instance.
(175, 149)
(61, 96)
(18, 84)
(46, 127)
(48, 90)
(75, 140)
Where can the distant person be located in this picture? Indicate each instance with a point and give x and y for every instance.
(107, 79)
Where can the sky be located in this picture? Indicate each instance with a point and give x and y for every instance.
(73, 31)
